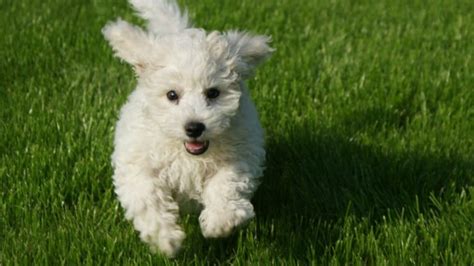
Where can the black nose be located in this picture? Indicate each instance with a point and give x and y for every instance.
(194, 129)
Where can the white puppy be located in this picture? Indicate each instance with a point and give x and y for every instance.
(189, 133)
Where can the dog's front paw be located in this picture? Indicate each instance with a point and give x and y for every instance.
(167, 242)
(170, 242)
(216, 223)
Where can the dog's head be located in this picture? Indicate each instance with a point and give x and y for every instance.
(192, 79)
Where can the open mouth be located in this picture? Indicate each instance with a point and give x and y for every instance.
(196, 147)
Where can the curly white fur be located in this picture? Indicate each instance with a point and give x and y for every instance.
(154, 175)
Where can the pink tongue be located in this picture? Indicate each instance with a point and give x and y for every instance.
(195, 145)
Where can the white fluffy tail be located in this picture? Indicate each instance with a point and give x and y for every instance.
(164, 16)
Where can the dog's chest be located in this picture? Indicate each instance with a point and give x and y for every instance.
(185, 175)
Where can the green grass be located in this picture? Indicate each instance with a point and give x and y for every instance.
(368, 108)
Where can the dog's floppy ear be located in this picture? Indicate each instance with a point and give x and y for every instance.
(130, 43)
(250, 51)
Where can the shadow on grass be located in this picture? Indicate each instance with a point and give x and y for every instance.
(313, 180)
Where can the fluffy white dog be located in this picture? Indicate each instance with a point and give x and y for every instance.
(189, 133)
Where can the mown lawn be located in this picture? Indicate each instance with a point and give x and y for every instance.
(368, 108)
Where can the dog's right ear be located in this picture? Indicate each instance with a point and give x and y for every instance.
(130, 43)
(251, 50)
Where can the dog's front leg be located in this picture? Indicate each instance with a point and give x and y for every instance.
(226, 199)
(152, 209)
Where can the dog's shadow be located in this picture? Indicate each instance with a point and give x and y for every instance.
(314, 179)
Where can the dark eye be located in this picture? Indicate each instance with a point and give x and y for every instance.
(172, 95)
(212, 93)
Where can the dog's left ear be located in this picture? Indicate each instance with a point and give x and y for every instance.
(250, 51)
(130, 43)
